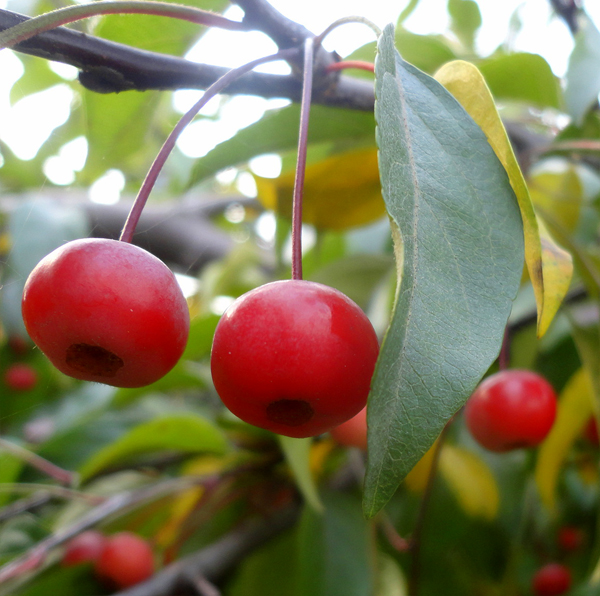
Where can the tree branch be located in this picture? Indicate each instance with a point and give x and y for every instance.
(110, 67)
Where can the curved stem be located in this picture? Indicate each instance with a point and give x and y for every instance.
(169, 144)
(70, 14)
(301, 161)
(344, 21)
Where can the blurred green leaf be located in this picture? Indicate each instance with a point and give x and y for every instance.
(522, 77)
(10, 468)
(185, 433)
(583, 76)
(465, 20)
(459, 247)
(334, 550)
(36, 77)
(297, 455)
(277, 131)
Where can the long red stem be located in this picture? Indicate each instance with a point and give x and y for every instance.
(301, 161)
(156, 167)
(358, 64)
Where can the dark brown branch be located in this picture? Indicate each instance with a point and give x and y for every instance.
(109, 67)
(214, 561)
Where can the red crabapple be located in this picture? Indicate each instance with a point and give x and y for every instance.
(552, 579)
(294, 357)
(353, 432)
(570, 539)
(126, 560)
(590, 432)
(85, 547)
(106, 311)
(20, 377)
(510, 410)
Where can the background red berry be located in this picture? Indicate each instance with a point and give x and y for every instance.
(553, 579)
(591, 432)
(106, 311)
(126, 560)
(353, 432)
(20, 377)
(510, 410)
(570, 539)
(294, 357)
(85, 547)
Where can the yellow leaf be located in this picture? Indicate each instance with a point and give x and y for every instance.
(416, 480)
(340, 192)
(471, 480)
(468, 86)
(186, 502)
(574, 410)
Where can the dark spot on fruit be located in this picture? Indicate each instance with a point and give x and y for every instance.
(291, 412)
(93, 360)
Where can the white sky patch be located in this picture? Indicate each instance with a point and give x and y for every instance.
(60, 169)
(266, 166)
(107, 189)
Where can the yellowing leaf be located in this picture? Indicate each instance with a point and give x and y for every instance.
(186, 502)
(416, 479)
(574, 410)
(471, 481)
(468, 86)
(340, 192)
(467, 475)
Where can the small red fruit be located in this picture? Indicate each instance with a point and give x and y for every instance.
(553, 579)
(106, 311)
(20, 377)
(591, 431)
(353, 432)
(126, 560)
(294, 357)
(570, 539)
(510, 410)
(85, 547)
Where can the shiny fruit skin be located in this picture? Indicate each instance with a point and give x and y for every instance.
(106, 311)
(353, 432)
(552, 579)
(20, 377)
(511, 409)
(126, 560)
(85, 547)
(294, 357)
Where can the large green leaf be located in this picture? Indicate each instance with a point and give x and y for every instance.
(186, 433)
(459, 243)
(278, 131)
(465, 20)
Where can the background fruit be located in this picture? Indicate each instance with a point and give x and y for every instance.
(353, 432)
(510, 410)
(294, 357)
(106, 311)
(20, 377)
(126, 560)
(85, 547)
(553, 579)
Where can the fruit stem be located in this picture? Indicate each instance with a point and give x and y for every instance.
(156, 167)
(344, 21)
(301, 161)
(70, 14)
(359, 64)
(64, 477)
(504, 357)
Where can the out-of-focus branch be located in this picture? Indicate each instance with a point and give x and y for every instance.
(109, 67)
(213, 561)
(567, 10)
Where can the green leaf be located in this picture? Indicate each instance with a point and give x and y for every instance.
(277, 131)
(334, 554)
(465, 20)
(297, 455)
(10, 468)
(583, 76)
(36, 77)
(186, 433)
(522, 77)
(459, 245)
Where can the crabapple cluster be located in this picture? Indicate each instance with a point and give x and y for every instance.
(510, 410)
(121, 560)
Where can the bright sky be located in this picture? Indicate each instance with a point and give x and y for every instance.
(25, 125)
